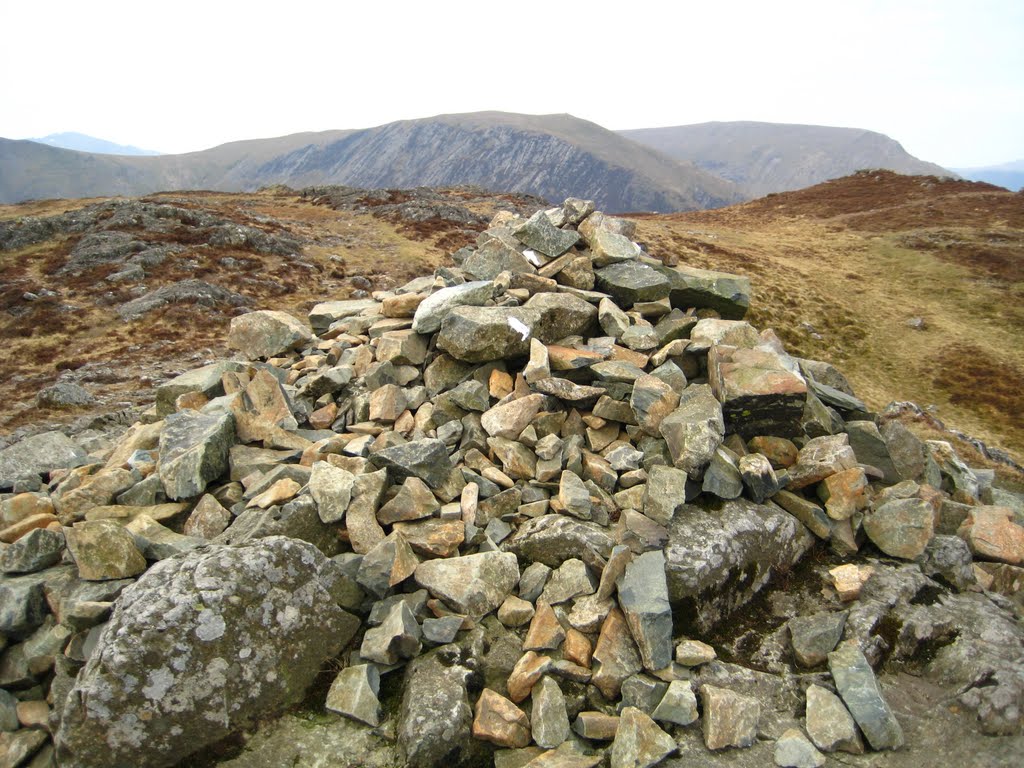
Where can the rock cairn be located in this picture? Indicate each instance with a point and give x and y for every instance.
(509, 486)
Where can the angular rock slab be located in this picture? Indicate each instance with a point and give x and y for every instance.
(193, 451)
(200, 646)
(630, 281)
(759, 395)
(553, 539)
(435, 717)
(433, 309)
(720, 555)
(354, 694)
(474, 584)
(901, 527)
(694, 430)
(643, 596)
(267, 333)
(727, 294)
(859, 690)
(730, 719)
(27, 459)
(426, 459)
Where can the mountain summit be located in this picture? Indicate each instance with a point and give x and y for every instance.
(82, 143)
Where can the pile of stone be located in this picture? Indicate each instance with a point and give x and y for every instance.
(508, 486)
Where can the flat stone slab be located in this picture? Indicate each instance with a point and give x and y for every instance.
(759, 395)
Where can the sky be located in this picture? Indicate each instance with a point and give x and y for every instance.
(944, 78)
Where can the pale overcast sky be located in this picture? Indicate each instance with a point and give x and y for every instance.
(945, 78)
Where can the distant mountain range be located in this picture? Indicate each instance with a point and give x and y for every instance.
(554, 156)
(761, 158)
(1007, 175)
(82, 143)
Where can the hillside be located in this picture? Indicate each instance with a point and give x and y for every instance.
(774, 157)
(554, 156)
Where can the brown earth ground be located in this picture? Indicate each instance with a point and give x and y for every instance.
(842, 271)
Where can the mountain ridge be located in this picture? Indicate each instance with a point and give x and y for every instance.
(81, 142)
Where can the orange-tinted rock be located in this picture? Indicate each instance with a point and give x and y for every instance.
(992, 535)
(499, 721)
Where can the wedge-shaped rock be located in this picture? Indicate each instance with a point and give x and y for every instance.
(426, 459)
(652, 400)
(550, 720)
(694, 430)
(759, 395)
(389, 563)
(267, 333)
(331, 488)
(639, 742)
(678, 705)
(413, 501)
(160, 674)
(433, 309)
(630, 282)
(711, 331)
(494, 257)
(643, 597)
(821, 457)
(727, 294)
(794, 750)
(206, 380)
(28, 459)
(553, 539)
(992, 534)
(396, 639)
(609, 247)
(193, 451)
(829, 723)
(324, 314)
(499, 721)
(474, 584)
(510, 419)
(719, 555)
(354, 694)
(616, 656)
(538, 233)
(858, 687)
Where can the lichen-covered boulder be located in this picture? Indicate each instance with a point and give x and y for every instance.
(202, 645)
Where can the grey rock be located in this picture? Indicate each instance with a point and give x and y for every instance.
(435, 717)
(21, 745)
(103, 549)
(643, 597)
(267, 333)
(64, 394)
(727, 294)
(613, 320)
(206, 380)
(652, 400)
(354, 694)
(548, 719)
(628, 282)
(948, 559)
(608, 247)
(730, 719)
(553, 539)
(157, 541)
(859, 690)
(433, 309)
(829, 723)
(901, 527)
(694, 430)
(664, 494)
(494, 257)
(36, 550)
(719, 556)
(323, 315)
(639, 742)
(532, 581)
(159, 675)
(193, 451)
(298, 519)
(396, 639)
(794, 750)
(386, 565)
(538, 233)
(27, 460)
(574, 496)
(426, 459)
(955, 473)
(678, 705)
(908, 452)
(481, 334)
(570, 580)
(643, 692)
(760, 395)
(870, 448)
(758, 477)
(441, 631)
(331, 488)
(806, 511)
(814, 637)
(474, 584)
(722, 477)
(22, 604)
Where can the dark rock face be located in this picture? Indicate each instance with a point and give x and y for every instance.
(434, 727)
(719, 556)
(201, 645)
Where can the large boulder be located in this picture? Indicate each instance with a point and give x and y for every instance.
(759, 394)
(202, 645)
(267, 333)
(24, 462)
(727, 294)
(193, 451)
(720, 555)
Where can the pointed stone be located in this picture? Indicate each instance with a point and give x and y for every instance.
(613, 320)
(652, 400)
(829, 724)
(758, 477)
(510, 419)
(814, 637)
(354, 694)
(570, 580)
(538, 233)
(426, 459)
(516, 612)
(665, 493)
(643, 597)
(678, 705)
(856, 683)
(499, 721)
(722, 477)
(794, 750)
(550, 720)
(616, 655)
(694, 429)
(388, 564)
(525, 674)
(414, 501)
(475, 584)
(208, 519)
(397, 639)
(545, 633)
(364, 532)
(844, 493)
(639, 742)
